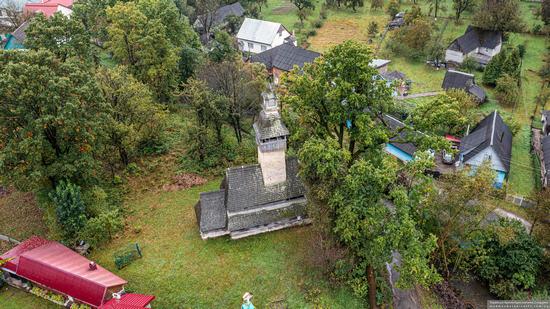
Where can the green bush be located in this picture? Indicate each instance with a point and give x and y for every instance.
(312, 32)
(69, 208)
(506, 258)
(100, 229)
(317, 23)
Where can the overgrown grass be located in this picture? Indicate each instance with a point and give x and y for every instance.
(284, 12)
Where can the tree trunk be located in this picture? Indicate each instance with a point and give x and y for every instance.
(123, 155)
(372, 287)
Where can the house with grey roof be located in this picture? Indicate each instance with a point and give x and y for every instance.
(479, 44)
(461, 80)
(283, 58)
(260, 197)
(256, 36)
(219, 17)
(380, 64)
(491, 140)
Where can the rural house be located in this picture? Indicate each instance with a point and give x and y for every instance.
(51, 266)
(283, 58)
(460, 80)
(16, 39)
(490, 140)
(218, 18)
(256, 36)
(545, 120)
(399, 81)
(479, 44)
(261, 197)
(49, 7)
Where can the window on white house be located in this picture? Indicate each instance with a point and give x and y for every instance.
(264, 48)
(250, 46)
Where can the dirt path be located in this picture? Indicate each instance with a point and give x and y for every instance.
(419, 95)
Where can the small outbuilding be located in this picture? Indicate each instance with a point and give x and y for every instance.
(16, 40)
(52, 266)
(464, 81)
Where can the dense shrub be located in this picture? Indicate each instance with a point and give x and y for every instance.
(507, 91)
(102, 228)
(69, 208)
(506, 258)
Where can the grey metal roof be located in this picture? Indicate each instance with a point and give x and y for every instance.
(222, 13)
(477, 92)
(245, 189)
(378, 63)
(395, 125)
(457, 80)
(393, 75)
(210, 211)
(475, 37)
(260, 31)
(465, 81)
(285, 57)
(546, 155)
(490, 132)
(19, 33)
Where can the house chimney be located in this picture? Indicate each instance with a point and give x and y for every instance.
(271, 136)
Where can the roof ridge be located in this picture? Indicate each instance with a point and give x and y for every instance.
(493, 127)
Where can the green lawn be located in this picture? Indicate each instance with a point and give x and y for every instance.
(184, 271)
(11, 298)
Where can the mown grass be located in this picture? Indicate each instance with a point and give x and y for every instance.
(184, 271)
(11, 298)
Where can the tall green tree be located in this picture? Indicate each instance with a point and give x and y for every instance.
(92, 14)
(51, 120)
(223, 47)
(148, 37)
(507, 91)
(460, 6)
(443, 114)
(336, 110)
(500, 15)
(65, 37)
(304, 8)
(133, 116)
(241, 84)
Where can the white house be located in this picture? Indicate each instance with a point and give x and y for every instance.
(491, 140)
(477, 43)
(256, 36)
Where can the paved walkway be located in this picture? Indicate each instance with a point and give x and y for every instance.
(419, 95)
(506, 214)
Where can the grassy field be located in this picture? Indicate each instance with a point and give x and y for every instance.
(284, 12)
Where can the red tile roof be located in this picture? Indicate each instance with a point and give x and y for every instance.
(129, 301)
(47, 7)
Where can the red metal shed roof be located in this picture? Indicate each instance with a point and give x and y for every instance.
(129, 301)
(57, 267)
(29, 244)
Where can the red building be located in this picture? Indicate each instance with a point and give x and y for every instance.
(50, 265)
